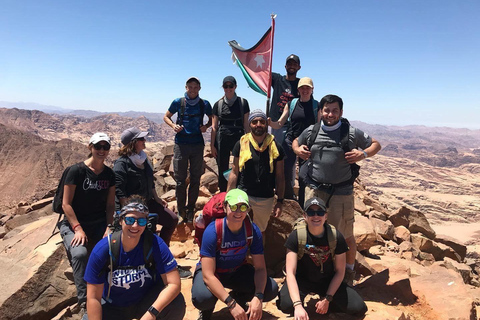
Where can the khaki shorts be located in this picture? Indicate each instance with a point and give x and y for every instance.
(340, 210)
(262, 211)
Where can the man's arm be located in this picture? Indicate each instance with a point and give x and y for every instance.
(356, 155)
(168, 120)
(232, 179)
(300, 150)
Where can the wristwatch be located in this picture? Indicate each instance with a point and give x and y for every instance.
(260, 296)
(365, 154)
(329, 298)
(280, 200)
(153, 311)
(228, 300)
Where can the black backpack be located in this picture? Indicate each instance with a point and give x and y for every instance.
(58, 197)
(344, 138)
(181, 114)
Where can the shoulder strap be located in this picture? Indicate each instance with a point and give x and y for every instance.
(332, 239)
(315, 109)
(113, 253)
(242, 109)
(202, 110)
(219, 225)
(182, 111)
(293, 104)
(247, 222)
(345, 135)
(313, 135)
(301, 238)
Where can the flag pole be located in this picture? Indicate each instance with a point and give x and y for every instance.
(269, 90)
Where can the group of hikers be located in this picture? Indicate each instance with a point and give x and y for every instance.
(123, 270)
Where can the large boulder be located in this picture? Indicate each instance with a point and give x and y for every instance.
(419, 223)
(36, 286)
(364, 233)
(383, 228)
(210, 181)
(400, 218)
(276, 234)
(458, 246)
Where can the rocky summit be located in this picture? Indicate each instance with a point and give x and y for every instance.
(416, 226)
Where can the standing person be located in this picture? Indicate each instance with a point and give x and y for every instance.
(316, 263)
(298, 114)
(284, 90)
(332, 170)
(134, 176)
(258, 170)
(223, 264)
(88, 204)
(230, 122)
(189, 144)
(132, 288)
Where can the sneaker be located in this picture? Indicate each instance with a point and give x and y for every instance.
(205, 314)
(349, 277)
(184, 274)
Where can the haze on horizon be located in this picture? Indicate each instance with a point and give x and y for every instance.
(393, 63)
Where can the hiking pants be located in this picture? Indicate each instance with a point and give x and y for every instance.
(345, 300)
(240, 281)
(166, 218)
(225, 141)
(183, 156)
(78, 255)
(175, 310)
(290, 172)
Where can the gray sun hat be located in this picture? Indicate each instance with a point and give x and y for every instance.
(132, 133)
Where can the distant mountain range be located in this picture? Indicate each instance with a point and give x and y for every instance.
(153, 116)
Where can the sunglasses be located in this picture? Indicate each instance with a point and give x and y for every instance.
(262, 121)
(140, 139)
(241, 208)
(228, 86)
(129, 221)
(313, 213)
(99, 146)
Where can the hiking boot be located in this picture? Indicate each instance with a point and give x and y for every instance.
(181, 217)
(189, 216)
(184, 274)
(205, 314)
(349, 277)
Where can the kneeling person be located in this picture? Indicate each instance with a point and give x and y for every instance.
(140, 285)
(223, 264)
(315, 263)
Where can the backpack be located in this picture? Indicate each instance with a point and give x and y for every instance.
(301, 226)
(213, 210)
(242, 109)
(114, 244)
(345, 130)
(181, 114)
(58, 197)
(293, 104)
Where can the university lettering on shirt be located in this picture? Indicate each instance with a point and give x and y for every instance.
(123, 278)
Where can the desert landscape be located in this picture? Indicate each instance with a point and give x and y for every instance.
(417, 216)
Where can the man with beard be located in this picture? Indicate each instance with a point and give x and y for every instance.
(284, 90)
(258, 170)
(330, 172)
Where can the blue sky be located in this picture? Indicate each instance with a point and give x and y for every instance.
(393, 62)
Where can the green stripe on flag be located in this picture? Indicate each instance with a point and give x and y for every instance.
(250, 81)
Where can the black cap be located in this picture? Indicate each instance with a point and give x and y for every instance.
(230, 79)
(293, 57)
(315, 201)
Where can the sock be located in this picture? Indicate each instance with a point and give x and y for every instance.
(350, 266)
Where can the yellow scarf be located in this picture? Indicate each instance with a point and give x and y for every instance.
(246, 154)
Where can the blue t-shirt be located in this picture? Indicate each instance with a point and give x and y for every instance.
(192, 120)
(129, 286)
(234, 247)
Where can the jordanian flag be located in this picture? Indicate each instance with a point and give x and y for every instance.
(256, 62)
